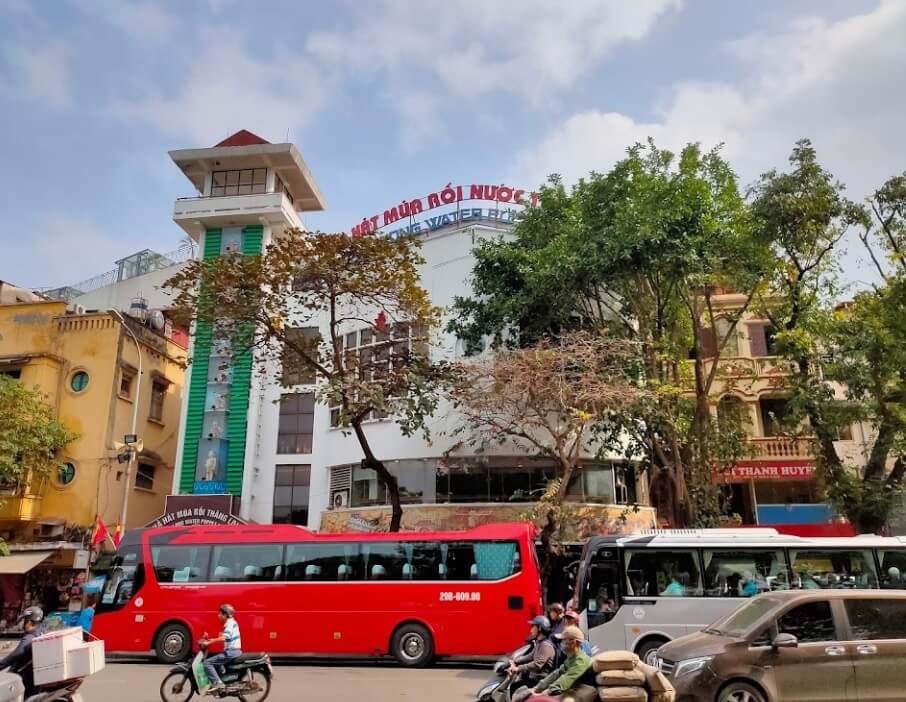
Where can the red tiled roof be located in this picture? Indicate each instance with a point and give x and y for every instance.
(242, 138)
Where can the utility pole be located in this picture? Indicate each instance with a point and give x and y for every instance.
(132, 449)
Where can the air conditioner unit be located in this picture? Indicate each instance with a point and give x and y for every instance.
(339, 499)
(76, 309)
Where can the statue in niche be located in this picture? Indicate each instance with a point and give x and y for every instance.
(216, 430)
(210, 466)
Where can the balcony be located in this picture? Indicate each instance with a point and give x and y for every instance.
(769, 448)
(752, 368)
(17, 507)
(194, 214)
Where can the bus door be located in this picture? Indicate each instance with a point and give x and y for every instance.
(603, 587)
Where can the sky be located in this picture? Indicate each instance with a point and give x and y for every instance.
(393, 99)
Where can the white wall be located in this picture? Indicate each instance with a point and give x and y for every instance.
(119, 295)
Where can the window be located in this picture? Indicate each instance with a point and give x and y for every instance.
(651, 573)
(773, 410)
(729, 339)
(244, 182)
(247, 563)
(144, 478)
(740, 620)
(14, 373)
(295, 370)
(127, 376)
(291, 489)
(379, 352)
(280, 187)
(79, 381)
(181, 564)
(158, 395)
(810, 623)
(733, 415)
(324, 562)
(297, 416)
(876, 620)
(65, 474)
(893, 569)
(813, 570)
(762, 340)
(744, 573)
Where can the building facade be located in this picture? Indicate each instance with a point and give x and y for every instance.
(278, 449)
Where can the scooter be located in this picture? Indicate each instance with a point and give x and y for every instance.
(62, 692)
(247, 677)
(486, 691)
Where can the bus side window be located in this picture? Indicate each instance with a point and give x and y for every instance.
(744, 573)
(659, 573)
(324, 562)
(893, 569)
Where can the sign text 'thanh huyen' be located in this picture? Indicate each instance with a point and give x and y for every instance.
(449, 195)
(769, 471)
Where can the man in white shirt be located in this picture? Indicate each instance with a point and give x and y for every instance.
(232, 645)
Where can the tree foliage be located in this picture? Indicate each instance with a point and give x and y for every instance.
(338, 284)
(641, 251)
(30, 434)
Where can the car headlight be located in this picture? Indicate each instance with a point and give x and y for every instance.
(691, 665)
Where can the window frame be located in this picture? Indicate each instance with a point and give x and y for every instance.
(285, 436)
(157, 400)
(77, 373)
(296, 469)
(127, 374)
(837, 618)
(144, 476)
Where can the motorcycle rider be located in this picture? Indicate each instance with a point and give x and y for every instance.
(575, 678)
(538, 662)
(19, 661)
(232, 646)
(555, 614)
(572, 619)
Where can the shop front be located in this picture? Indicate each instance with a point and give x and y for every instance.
(52, 576)
(781, 494)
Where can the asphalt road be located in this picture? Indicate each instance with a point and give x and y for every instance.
(369, 682)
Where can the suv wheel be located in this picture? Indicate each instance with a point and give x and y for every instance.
(740, 692)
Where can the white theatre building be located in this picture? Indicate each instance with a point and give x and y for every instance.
(274, 447)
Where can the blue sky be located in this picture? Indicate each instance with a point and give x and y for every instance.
(394, 99)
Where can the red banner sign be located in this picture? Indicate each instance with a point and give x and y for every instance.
(450, 195)
(752, 470)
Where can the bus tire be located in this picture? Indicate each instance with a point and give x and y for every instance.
(412, 645)
(739, 691)
(647, 649)
(173, 643)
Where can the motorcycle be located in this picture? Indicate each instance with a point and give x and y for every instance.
(61, 692)
(247, 677)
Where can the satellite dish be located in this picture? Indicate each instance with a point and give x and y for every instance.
(157, 320)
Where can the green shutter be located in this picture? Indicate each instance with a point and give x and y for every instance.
(198, 388)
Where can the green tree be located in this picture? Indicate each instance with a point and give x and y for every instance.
(337, 284)
(30, 434)
(642, 251)
(847, 363)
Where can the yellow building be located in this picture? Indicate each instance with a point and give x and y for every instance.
(87, 366)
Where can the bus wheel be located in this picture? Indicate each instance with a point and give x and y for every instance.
(412, 645)
(173, 643)
(648, 650)
(741, 692)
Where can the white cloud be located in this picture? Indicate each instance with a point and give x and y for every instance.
(475, 47)
(835, 82)
(40, 72)
(68, 247)
(227, 88)
(142, 22)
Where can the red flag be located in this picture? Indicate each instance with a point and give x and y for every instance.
(381, 322)
(100, 533)
(117, 534)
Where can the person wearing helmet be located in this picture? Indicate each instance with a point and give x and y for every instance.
(232, 645)
(19, 660)
(574, 679)
(539, 661)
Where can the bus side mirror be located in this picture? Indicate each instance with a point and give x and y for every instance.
(784, 641)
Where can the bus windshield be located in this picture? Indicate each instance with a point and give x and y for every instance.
(121, 584)
(741, 619)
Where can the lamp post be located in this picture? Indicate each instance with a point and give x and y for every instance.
(138, 393)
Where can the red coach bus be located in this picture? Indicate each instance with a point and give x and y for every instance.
(413, 595)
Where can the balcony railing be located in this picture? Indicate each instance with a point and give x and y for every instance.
(745, 367)
(773, 447)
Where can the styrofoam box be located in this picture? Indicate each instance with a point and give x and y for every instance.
(62, 655)
(49, 650)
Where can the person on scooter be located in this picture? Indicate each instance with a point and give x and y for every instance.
(574, 678)
(19, 660)
(555, 614)
(232, 646)
(572, 619)
(538, 662)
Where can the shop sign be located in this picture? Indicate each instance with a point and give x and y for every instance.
(447, 196)
(769, 471)
(192, 510)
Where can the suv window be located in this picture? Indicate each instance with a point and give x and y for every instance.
(876, 620)
(812, 622)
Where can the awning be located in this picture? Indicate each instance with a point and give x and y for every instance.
(20, 563)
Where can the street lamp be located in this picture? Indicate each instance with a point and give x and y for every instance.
(132, 447)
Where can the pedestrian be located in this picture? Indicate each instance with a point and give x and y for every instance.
(86, 616)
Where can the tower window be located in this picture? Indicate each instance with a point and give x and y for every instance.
(248, 181)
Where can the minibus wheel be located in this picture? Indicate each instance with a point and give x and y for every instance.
(648, 648)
